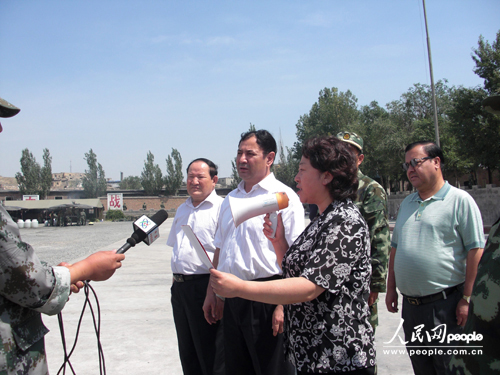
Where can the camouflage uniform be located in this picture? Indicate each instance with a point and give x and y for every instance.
(372, 202)
(28, 287)
(484, 313)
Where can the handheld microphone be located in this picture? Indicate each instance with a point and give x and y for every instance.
(145, 229)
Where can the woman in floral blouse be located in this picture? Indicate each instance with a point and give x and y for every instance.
(326, 271)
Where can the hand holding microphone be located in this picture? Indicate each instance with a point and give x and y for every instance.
(99, 266)
(102, 265)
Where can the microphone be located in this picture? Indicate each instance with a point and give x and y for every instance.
(145, 229)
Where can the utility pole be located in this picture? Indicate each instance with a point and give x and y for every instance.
(436, 128)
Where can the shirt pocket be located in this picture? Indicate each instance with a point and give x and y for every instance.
(29, 331)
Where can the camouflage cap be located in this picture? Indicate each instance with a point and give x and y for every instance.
(351, 138)
(7, 109)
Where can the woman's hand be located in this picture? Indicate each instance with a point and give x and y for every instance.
(279, 241)
(225, 284)
(268, 230)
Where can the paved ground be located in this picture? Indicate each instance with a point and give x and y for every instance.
(137, 329)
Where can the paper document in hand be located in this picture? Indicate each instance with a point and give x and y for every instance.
(195, 242)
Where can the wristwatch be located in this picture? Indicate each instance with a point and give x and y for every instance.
(467, 298)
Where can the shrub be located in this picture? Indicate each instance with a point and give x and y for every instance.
(115, 215)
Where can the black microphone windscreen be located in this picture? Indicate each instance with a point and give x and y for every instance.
(160, 217)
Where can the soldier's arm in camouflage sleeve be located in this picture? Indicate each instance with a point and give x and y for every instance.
(27, 281)
(376, 216)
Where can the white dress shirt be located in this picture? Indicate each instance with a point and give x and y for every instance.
(245, 251)
(203, 220)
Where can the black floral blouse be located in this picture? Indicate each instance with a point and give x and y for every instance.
(331, 333)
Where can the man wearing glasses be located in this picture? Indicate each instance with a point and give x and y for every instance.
(437, 243)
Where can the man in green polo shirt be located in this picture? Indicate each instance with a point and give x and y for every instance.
(437, 243)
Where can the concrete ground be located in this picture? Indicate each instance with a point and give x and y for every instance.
(137, 331)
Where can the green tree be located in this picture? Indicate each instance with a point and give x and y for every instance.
(131, 183)
(411, 119)
(174, 177)
(487, 59)
(477, 131)
(333, 112)
(30, 176)
(372, 127)
(235, 176)
(94, 182)
(151, 176)
(46, 173)
(288, 166)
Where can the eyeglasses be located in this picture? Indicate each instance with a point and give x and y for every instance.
(414, 162)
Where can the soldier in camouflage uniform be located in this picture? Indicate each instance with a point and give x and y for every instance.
(29, 287)
(372, 202)
(484, 313)
(484, 308)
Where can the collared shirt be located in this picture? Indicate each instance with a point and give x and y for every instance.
(203, 220)
(28, 287)
(245, 251)
(432, 239)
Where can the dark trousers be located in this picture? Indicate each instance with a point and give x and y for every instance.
(431, 315)
(201, 348)
(249, 344)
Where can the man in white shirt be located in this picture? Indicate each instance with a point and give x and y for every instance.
(198, 350)
(253, 341)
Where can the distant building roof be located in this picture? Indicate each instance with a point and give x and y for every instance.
(49, 203)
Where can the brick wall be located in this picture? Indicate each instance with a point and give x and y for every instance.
(152, 203)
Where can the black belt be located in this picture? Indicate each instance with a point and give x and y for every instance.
(433, 297)
(180, 278)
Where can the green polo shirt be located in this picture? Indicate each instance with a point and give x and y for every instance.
(432, 239)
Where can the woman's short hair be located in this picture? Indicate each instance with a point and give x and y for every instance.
(329, 154)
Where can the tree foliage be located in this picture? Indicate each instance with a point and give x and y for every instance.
(94, 182)
(33, 179)
(29, 178)
(174, 177)
(487, 59)
(333, 112)
(131, 183)
(235, 176)
(476, 131)
(151, 176)
(287, 168)
(46, 174)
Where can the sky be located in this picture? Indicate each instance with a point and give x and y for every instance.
(125, 77)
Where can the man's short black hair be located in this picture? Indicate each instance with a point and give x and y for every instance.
(264, 139)
(431, 149)
(211, 166)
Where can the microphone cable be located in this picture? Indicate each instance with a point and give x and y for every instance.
(97, 327)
